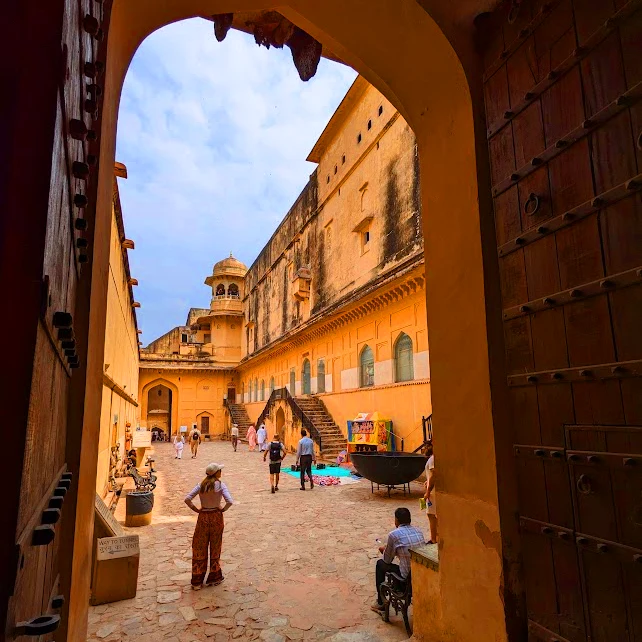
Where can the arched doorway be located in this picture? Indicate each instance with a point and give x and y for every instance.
(159, 408)
(306, 377)
(280, 423)
(415, 60)
(400, 49)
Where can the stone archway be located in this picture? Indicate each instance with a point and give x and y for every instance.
(400, 46)
(416, 59)
(144, 401)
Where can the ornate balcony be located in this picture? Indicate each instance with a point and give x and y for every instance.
(226, 304)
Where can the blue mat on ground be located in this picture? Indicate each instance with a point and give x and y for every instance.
(324, 472)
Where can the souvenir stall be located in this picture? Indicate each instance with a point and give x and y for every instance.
(370, 432)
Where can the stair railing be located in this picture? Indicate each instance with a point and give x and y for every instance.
(297, 411)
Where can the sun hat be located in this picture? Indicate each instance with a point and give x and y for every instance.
(212, 469)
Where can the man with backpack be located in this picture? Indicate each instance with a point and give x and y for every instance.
(277, 453)
(194, 441)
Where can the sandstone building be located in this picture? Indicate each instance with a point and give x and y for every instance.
(333, 306)
(120, 409)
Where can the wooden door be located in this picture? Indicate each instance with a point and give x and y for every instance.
(563, 83)
(50, 369)
(231, 395)
(205, 425)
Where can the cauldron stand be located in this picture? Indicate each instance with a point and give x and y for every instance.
(406, 484)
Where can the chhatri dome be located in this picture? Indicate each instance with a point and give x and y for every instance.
(229, 266)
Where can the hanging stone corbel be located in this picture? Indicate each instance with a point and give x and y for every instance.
(222, 24)
(271, 29)
(306, 53)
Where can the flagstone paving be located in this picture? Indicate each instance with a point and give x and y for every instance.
(297, 566)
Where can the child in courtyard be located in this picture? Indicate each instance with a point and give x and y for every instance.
(277, 453)
(179, 444)
(208, 534)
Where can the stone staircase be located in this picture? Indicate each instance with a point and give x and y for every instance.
(333, 441)
(239, 416)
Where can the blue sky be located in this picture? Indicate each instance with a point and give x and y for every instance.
(214, 137)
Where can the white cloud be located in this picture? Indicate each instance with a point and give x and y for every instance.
(214, 136)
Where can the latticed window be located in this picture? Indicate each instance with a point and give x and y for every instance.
(404, 370)
(256, 390)
(320, 375)
(262, 389)
(271, 385)
(292, 382)
(366, 368)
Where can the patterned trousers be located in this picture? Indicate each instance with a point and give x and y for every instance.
(207, 535)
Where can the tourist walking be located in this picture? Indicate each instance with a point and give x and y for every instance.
(195, 440)
(399, 542)
(277, 453)
(235, 436)
(251, 437)
(261, 437)
(179, 444)
(431, 502)
(208, 534)
(305, 455)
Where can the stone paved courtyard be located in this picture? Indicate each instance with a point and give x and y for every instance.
(297, 565)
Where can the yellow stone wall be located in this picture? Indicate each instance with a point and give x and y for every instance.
(405, 403)
(120, 366)
(375, 190)
(195, 394)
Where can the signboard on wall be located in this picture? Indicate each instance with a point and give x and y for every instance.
(183, 428)
(109, 548)
(142, 439)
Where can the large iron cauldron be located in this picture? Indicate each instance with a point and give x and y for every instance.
(389, 468)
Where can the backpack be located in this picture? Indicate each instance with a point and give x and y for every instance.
(275, 450)
(195, 435)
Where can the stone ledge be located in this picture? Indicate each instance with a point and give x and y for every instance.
(426, 555)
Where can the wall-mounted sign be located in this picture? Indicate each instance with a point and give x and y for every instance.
(183, 428)
(142, 439)
(110, 548)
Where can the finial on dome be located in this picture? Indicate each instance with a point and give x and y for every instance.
(231, 255)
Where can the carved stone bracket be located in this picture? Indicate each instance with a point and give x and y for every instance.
(271, 29)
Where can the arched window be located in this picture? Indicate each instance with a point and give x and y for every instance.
(256, 390)
(220, 290)
(404, 370)
(305, 377)
(366, 368)
(320, 375)
(233, 290)
(262, 389)
(242, 392)
(292, 382)
(271, 385)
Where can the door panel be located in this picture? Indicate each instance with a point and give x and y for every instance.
(572, 320)
(44, 504)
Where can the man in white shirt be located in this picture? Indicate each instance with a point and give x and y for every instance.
(305, 455)
(261, 437)
(235, 436)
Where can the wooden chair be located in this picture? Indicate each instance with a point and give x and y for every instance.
(396, 592)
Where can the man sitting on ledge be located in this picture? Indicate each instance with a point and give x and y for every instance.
(399, 542)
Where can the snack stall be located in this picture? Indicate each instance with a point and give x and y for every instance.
(370, 432)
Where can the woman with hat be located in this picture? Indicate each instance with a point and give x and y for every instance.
(209, 527)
